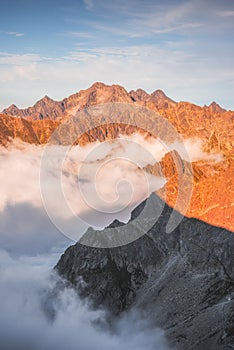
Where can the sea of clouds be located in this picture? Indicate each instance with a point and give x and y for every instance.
(94, 181)
(31, 244)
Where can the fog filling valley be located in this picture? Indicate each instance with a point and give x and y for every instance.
(25, 284)
(100, 183)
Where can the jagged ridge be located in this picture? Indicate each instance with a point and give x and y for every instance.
(182, 281)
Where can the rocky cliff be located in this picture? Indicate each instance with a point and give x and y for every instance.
(182, 281)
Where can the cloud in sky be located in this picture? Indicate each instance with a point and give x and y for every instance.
(84, 35)
(227, 13)
(15, 33)
(146, 18)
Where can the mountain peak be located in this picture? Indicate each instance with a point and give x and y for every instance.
(161, 99)
(103, 86)
(215, 107)
(98, 85)
(159, 93)
(13, 106)
(11, 110)
(139, 95)
(45, 99)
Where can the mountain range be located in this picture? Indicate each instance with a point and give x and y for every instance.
(212, 197)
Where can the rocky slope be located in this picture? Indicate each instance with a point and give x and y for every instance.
(212, 198)
(182, 281)
(33, 132)
(212, 189)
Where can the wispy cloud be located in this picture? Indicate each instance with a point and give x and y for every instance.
(76, 34)
(109, 51)
(149, 18)
(16, 66)
(226, 13)
(17, 59)
(138, 19)
(17, 34)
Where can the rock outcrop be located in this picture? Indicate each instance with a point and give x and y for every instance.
(182, 281)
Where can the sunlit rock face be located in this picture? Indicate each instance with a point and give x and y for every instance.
(212, 198)
(181, 281)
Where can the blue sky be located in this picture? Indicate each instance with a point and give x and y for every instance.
(58, 47)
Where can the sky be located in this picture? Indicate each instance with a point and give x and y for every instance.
(56, 48)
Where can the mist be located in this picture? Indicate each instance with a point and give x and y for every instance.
(27, 291)
(27, 230)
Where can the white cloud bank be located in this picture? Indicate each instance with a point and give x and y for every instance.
(98, 183)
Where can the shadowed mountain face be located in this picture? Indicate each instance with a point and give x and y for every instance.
(182, 281)
(212, 198)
